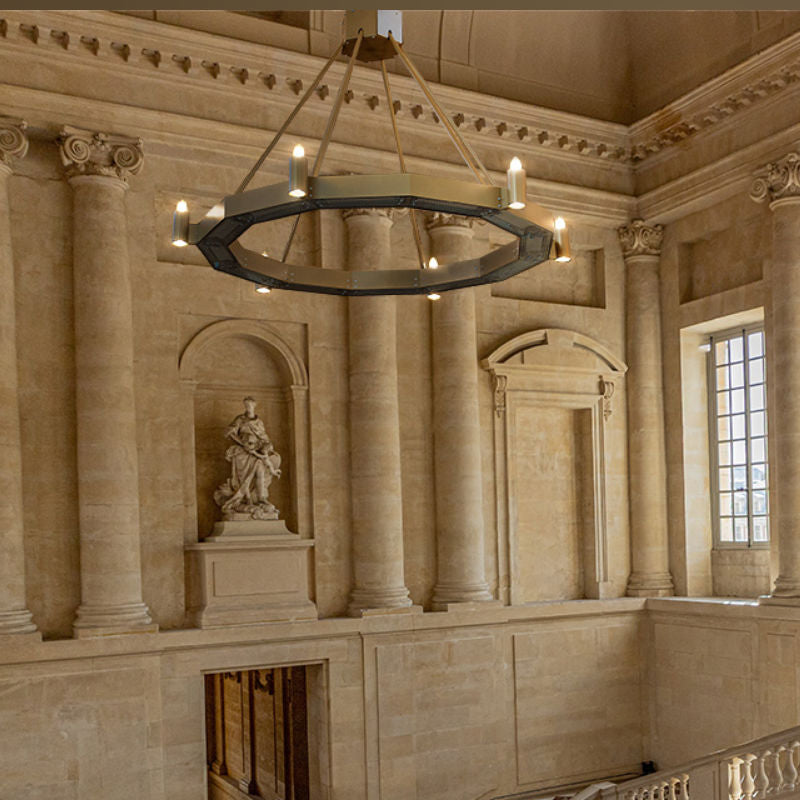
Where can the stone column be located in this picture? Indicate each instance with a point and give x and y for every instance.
(647, 466)
(779, 184)
(14, 615)
(376, 490)
(461, 576)
(98, 166)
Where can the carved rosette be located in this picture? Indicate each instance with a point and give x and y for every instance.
(778, 180)
(640, 239)
(13, 141)
(91, 153)
(439, 219)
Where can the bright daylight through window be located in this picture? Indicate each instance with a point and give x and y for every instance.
(738, 410)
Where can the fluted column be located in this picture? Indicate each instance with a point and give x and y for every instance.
(14, 615)
(461, 576)
(647, 466)
(779, 184)
(376, 490)
(98, 166)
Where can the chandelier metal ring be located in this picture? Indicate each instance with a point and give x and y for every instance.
(216, 235)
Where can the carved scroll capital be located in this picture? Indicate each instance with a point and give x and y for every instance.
(438, 219)
(777, 180)
(92, 153)
(13, 141)
(378, 213)
(640, 239)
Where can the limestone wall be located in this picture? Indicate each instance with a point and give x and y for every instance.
(442, 706)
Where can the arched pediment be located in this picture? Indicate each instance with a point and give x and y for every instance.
(555, 342)
(291, 366)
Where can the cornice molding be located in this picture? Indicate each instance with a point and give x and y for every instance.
(189, 56)
(717, 102)
(13, 140)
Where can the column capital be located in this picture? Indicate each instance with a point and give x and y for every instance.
(778, 180)
(93, 153)
(378, 213)
(13, 140)
(440, 219)
(640, 239)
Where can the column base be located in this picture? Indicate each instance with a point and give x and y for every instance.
(786, 589)
(368, 601)
(17, 622)
(445, 595)
(125, 618)
(651, 584)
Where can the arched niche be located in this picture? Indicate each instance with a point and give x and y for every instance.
(553, 399)
(222, 364)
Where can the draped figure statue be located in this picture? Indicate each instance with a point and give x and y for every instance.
(254, 463)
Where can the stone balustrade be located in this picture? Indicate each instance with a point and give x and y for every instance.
(766, 767)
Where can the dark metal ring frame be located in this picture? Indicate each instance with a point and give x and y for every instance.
(217, 233)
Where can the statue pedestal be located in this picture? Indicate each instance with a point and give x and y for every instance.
(248, 572)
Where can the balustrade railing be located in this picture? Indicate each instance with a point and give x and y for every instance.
(760, 770)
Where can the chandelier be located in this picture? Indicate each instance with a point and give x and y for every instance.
(375, 36)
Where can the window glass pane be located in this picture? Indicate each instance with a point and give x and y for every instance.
(760, 529)
(738, 429)
(736, 349)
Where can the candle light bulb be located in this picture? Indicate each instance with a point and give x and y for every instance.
(298, 172)
(433, 263)
(563, 252)
(433, 296)
(180, 224)
(261, 289)
(559, 224)
(515, 180)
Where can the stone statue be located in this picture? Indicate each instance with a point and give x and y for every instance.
(254, 463)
